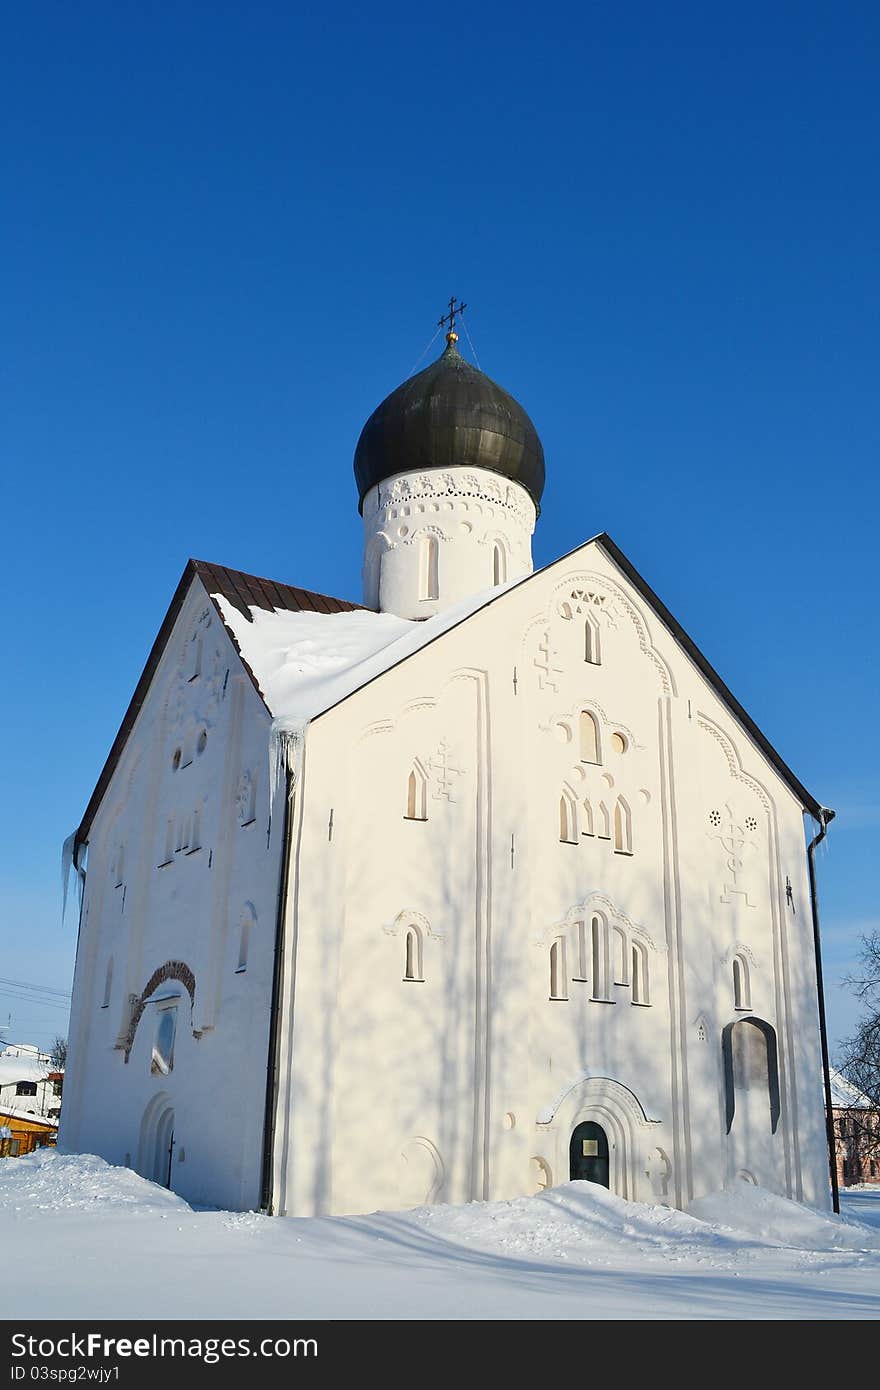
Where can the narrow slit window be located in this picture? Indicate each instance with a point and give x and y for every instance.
(640, 974)
(558, 982)
(599, 957)
(588, 817)
(592, 647)
(499, 564)
(430, 563)
(567, 819)
(589, 738)
(741, 990)
(603, 822)
(244, 942)
(622, 827)
(621, 956)
(582, 951)
(108, 984)
(413, 955)
(416, 795)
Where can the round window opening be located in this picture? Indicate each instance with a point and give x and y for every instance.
(618, 743)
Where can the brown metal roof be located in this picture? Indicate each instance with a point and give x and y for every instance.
(244, 591)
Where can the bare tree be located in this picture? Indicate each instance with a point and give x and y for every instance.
(58, 1053)
(860, 1058)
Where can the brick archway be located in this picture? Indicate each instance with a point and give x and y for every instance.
(171, 970)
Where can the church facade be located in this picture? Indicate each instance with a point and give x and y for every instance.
(485, 885)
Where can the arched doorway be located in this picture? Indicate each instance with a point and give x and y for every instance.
(588, 1154)
(164, 1149)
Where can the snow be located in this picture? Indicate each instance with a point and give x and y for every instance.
(306, 662)
(122, 1247)
(846, 1096)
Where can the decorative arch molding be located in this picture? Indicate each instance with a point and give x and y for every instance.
(615, 603)
(416, 1150)
(595, 1088)
(739, 949)
(620, 1113)
(734, 761)
(408, 918)
(569, 717)
(171, 970)
(596, 902)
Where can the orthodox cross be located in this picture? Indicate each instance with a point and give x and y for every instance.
(456, 309)
(733, 841)
(545, 663)
(441, 765)
(789, 893)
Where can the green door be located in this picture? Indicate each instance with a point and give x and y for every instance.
(588, 1154)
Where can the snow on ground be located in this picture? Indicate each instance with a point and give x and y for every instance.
(90, 1241)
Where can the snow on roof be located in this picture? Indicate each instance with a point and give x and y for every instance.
(846, 1096)
(15, 1069)
(304, 663)
(15, 1112)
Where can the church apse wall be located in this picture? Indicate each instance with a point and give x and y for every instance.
(169, 1032)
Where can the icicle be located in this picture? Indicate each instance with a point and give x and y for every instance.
(73, 858)
(66, 867)
(286, 746)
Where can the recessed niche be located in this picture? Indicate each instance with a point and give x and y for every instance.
(202, 743)
(644, 796)
(510, 1120)
(403, 530)
(608, 779)
(619, 743)
(175, 759)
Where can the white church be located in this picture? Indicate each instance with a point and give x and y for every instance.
(483, 885)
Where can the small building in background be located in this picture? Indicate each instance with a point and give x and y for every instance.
(856, 1133)
(21, 1132)
(29, 1083)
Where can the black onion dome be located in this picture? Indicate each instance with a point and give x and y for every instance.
(449, 416)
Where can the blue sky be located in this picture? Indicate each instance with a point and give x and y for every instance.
(228, 232)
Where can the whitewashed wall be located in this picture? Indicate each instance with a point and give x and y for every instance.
(156, 895)
(467, 1084)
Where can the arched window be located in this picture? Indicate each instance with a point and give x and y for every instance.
(248, 921)
(588, 817)
(640, 974)
(589, 738)
(429, 565)
(195, 658)
(599, 956)
(583, 962)
(568, 831)
(742, 998)
(621, 955)
(592, 647)
(413, 954)
(558, 978)
(603, 822)
(108, 984)
(751, 1064)
(622, 827)
(417, 794)
(499, 564)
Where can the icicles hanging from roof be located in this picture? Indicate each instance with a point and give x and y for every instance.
(73, 858)
(287, 740)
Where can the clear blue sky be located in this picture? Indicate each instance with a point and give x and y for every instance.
(228, 231)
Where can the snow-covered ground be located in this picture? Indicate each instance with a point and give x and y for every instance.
(89, 1241)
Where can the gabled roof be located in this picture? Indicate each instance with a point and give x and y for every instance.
(244, 591)
(247, 591)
